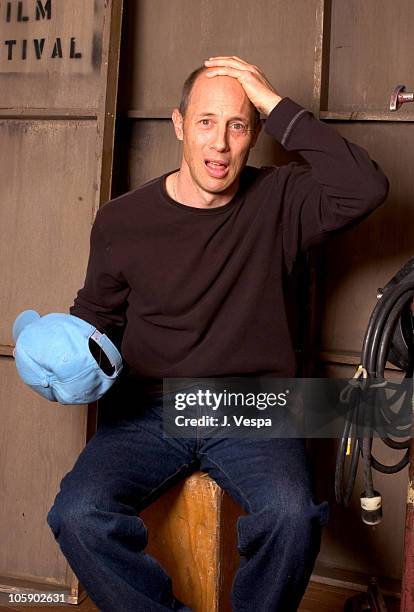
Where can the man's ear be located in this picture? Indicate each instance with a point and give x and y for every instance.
(256, 133)
(178, 122)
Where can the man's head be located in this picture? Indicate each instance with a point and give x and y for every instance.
(218, 126)
(188, 86)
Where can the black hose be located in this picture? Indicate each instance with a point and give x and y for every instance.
(395, 299)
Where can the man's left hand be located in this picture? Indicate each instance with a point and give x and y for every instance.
(257, 87)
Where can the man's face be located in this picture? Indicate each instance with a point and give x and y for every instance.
(217, 131)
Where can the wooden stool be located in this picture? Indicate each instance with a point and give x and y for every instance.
(192, 534)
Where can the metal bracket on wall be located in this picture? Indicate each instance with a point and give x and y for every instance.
(400, 97)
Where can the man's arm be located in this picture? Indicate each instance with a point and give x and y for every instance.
(102, 300)
(343, 184)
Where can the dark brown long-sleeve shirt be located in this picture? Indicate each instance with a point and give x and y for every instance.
(199, 292)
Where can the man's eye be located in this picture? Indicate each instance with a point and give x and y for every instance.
(238, 127)
(205, 122)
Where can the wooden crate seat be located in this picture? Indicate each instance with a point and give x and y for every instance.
(192, 534)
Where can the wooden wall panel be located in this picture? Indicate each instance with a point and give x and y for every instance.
(34, 432)
(154, 150)
(370, 53)
(168, 40)
(41, 81)
(363, 259)
(56, 129)
(372, 50)
(45, 221)
(268, 152)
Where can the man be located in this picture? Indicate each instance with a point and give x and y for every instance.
(190, 268)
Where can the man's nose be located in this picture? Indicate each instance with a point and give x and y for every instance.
(220, 138)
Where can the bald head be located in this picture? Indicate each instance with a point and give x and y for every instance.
(211, 84)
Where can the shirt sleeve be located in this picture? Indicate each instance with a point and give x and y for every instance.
(340, 186)
(102, 300)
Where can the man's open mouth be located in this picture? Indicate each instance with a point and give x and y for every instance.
(216, 168)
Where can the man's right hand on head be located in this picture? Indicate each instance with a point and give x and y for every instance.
(258, 89)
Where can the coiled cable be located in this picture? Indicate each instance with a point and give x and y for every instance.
(385, 339)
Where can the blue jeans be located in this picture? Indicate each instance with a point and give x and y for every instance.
(128, 463)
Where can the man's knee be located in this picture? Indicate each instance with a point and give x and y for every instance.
(71, 514)
(297, 520)
(299, 514)
(301, 519)
(91, 517)
(53, 521)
